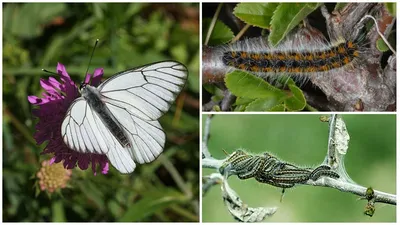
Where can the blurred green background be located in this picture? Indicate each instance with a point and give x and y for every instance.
(302, 139)
(37, 36)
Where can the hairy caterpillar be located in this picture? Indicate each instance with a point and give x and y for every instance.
(267, 168)
(304, 53)
(296, 56)
(347, 68)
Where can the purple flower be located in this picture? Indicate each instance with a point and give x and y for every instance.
(52, 109)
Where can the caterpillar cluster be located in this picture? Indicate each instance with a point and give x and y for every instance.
(268, 169)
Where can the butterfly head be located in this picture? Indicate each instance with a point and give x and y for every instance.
(82, 86)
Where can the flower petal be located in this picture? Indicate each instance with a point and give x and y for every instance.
(87, 78)
(62, 71)
(34, 100)
(98, 74)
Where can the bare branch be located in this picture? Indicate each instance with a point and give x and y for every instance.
(353, 188)
(227, 101)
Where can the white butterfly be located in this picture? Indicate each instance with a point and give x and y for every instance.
(119, 117)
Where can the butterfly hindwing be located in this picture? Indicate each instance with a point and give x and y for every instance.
(83, 131)
(147, 137)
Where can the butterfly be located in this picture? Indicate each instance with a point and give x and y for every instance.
(119, 118)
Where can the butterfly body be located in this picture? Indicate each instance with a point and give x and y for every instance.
(93, 98)
(119, 118)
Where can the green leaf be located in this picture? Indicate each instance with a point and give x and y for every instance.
(152, 201)
(221, 34)
(297, 101)
(286, 17)
(278, 108)
(263, 104)
(210, 88)
(257, 14)
(243, 101)
(240, 108)
(381, 45)
(391, 7)
(243, 84)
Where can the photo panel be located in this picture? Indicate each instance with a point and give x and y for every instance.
(299, 57)
(109, 130)
(299, 168)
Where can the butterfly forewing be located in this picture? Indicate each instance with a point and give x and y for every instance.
(148, 91)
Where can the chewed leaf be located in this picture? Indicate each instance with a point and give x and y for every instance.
(256, 14)
(286, 17)
(221, 34)
(243, 84)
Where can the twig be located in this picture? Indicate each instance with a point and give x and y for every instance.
(210, 105)
(212, 24)
(240, 34)
(354, 189)
(227, 101)
(206, 132)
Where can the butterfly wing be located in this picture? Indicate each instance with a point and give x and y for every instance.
(137, 98)
(147, 91)
(83, 131)
(146, 137)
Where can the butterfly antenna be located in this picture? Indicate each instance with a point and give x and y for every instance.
(91, 56)
(44, 70)
(226, 153)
